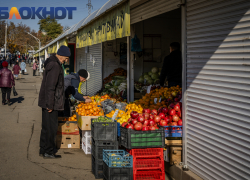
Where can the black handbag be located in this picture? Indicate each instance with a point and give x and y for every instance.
(14, 91)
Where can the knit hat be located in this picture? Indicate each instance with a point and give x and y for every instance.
(83, 73)
(5, 64)
(64, 51)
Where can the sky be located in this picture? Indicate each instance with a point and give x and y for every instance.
(79, 14)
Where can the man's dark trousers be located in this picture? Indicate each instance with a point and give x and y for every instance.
(5, 90)
(48, 132)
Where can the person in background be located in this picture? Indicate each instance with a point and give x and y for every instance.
(16, 69)
(51, 100)
(23, 66)
(172, 67)
(6, 82)
(71, 84)
(35, 66)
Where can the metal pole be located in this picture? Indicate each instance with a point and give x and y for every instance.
(40, 61)
(5, 39)
(184, 83)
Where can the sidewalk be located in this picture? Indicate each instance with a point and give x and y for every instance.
(19, 140)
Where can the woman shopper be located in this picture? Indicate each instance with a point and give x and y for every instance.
(16, 70)
(35, 66)
(6, 83)
(23, 66)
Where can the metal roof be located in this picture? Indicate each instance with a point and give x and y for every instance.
(108, 5)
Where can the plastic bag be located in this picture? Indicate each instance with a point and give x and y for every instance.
(121, 106)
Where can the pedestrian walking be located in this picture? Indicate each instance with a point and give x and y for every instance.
(6, 83)
(23, 66)
(51, 100)
(35, 66)
(16, 69)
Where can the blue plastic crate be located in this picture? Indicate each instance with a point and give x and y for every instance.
(117, 158)
(118, 129)
(173, 131)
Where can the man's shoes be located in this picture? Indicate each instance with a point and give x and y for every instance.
(3, 103)
(51, 156)
(8, 102)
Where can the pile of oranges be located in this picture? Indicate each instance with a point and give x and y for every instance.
(89, 109)
(72, 118)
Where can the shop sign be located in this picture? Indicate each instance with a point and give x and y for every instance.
(115, 24)
(52, 48)
(63, 42)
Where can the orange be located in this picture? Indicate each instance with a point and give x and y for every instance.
(89, 106)
(77, 110)
(74, 116)
(95, 113)
(91, 110)
(87, 112)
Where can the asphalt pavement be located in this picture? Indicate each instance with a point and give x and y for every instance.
(20, 126)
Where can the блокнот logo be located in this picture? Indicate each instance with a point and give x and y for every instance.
(40, 12)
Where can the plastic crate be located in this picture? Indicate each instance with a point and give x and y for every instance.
(118, 129)
(86, 148)
(97, 168)
(153, 175)
(121, 158)
(171, 131)
(147, 153)
(112, 173)
(104, 131)
(98, 146)
(148, 164)
(86, 133)
(131, 139)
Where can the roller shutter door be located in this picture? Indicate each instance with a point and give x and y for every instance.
(152, 8)
(81, 64)
(218, 88)
(94, 67)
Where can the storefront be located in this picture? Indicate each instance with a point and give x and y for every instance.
(102, 46)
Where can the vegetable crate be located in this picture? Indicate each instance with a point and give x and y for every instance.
(104, 131)
(155, 175)
(148, 153)
(131, 139)
(98, 146)
(117, 158)
(113, 173)
(118, 129)
(97, 168)
(173, 131)
(148, 164)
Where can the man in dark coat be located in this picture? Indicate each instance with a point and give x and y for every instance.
(172, 67)
(51, 100)
(71, 84)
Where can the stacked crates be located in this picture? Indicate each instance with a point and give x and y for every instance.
(117, 165)
(86, 142)
(104, 136)
(148, 163)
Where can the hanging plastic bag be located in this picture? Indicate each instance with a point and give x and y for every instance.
(135, 45)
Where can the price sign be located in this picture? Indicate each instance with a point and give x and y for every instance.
(115, 114)
(160, 100)
(155, 100)
(149, 89)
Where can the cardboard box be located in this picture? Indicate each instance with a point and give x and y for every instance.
(65, 141)
(67, 127)
(84, 122)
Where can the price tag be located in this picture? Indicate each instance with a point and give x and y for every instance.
(69, 145)
(114, 116)
(160, 100)
(155, 100)
(149, 89)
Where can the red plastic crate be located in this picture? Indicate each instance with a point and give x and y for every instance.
(147, 153)
(152, 175)
(148, 164)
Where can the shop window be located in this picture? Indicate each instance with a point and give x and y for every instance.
(151, 48)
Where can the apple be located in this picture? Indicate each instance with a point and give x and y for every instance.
(146, 115)
(157, 119)
(145, 128)
(146, 122)
(165, 110)
(174, 124)
(130, 126)
(123, 124)
(167, 119)
(154, 111)
(177, 107)
(134, 114)
(151, 128)
(146, 111)
(151, 116)
(179, 122)
(162, 115)
(175, 118)
(134, 121)
(178, 113)
(163, 123)
(151, 122)
(140, 119)
(172, 112)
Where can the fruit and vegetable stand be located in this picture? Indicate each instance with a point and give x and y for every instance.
(128, 140)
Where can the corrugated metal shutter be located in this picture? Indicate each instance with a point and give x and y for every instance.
(218, 88)
(81, 63)
(152, 8)
(94, 84)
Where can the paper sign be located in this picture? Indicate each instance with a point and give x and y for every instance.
(69, 145)
(149, 89)
(155, 100)
(160, 100)
(114, 116)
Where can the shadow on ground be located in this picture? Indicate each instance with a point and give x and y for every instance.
(16, 100)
